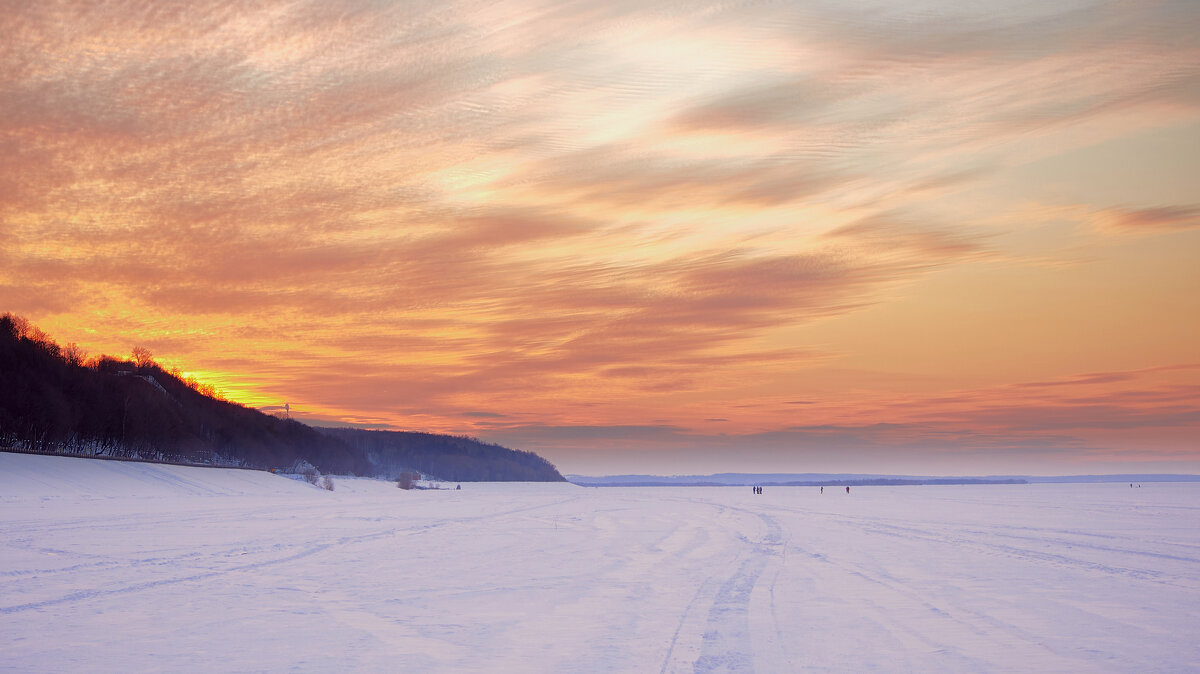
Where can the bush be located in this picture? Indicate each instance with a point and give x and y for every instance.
(327, 482)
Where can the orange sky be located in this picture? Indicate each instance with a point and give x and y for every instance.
(873, 236)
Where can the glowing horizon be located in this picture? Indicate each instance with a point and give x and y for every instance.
(825, 236)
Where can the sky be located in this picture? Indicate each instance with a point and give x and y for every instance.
(922, 237)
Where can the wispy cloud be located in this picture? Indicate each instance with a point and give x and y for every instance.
(1151, 219)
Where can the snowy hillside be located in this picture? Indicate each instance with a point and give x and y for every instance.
(123, 567)
(60, 477)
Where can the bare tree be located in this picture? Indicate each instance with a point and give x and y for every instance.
(74, 354)
(142, 356)
(310, 475)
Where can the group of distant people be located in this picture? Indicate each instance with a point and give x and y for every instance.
(758, 490)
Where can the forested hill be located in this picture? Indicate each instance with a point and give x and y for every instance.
(55, 399)
(446, 456)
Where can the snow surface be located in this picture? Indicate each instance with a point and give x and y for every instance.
(125, 567)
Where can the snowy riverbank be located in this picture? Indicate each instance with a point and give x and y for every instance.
(120, 567)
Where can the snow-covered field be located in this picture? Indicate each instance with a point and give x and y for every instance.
(120, 567)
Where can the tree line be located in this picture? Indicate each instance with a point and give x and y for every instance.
(449, 457)
(56, 399)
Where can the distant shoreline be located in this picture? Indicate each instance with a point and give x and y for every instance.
(844, 480)
(882, 482)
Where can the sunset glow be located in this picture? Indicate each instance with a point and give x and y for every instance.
(922, 237)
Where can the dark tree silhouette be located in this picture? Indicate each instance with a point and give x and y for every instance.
(50, 401)
(142, 356)
(55, 400)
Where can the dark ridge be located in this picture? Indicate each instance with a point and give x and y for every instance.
(51, 401)
(449, 457)
(54, 400)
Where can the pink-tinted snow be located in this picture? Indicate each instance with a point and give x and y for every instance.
(124, 567)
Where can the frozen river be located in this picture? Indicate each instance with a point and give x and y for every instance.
(117, 567)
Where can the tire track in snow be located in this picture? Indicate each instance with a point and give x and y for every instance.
(138, 587)
(965, 537)
(976, 540)
(780, 638)
(308, 550)
(704, 591)
(941, 618)
(964, 617)
(726, 645)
